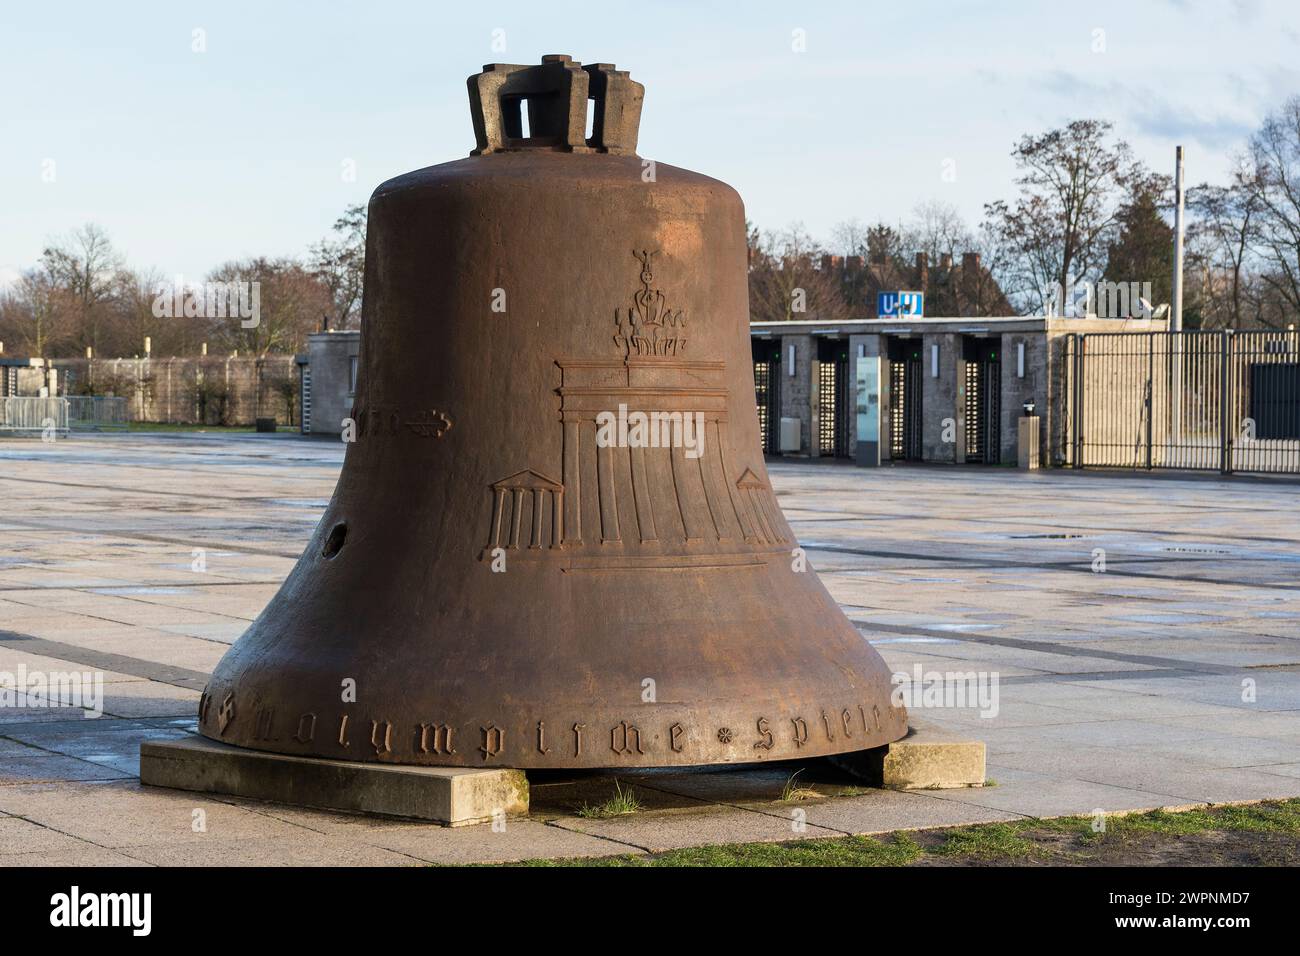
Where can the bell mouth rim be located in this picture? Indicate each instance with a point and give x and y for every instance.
(388, 729)
(473, 759)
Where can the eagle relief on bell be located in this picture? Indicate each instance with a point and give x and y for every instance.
(651, 328)
(500, 579)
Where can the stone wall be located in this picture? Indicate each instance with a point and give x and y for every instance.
(943, 397)
(332, 355)
(798, 391)
(1016, 390)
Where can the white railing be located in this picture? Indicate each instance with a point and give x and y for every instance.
(26, 415)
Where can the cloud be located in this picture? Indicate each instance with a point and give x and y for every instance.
(1164, 120)
(1217, 127)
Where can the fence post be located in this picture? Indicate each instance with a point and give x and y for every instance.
(1150, 390)
(1078, 398)
(1225, 402)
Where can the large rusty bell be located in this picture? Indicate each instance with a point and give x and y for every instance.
(554, 542)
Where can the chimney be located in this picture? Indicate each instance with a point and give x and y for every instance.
(972, 281)
(945, 261)
(853, 264)
(922, 272)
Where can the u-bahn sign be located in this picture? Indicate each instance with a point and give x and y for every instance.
(897, 305)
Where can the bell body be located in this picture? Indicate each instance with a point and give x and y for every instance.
(553, 543)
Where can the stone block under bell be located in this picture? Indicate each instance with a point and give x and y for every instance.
(451, 796)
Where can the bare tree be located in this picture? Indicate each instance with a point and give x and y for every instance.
(937, 229)
(31, 319)
(1219, 244)
(787, 282)
(137, 291)
(83, 270)
(341, 264)
(1057, 231)
(850, 237)
(1271, 181)
(290, 301)
(287, 387)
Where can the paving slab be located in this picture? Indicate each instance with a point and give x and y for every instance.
(1139, 770)
(519, 840)
(1285, 769)
(23, 836)
(112, 742)
(124, 814)
(19, 769)
(298, 850)
(86, 855)
(1268, 725)
(709, 824)
(1028, 794)
(882, 811)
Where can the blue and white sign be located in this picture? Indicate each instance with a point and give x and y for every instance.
(897, 305)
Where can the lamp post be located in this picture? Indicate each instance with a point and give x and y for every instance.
(1176, 307)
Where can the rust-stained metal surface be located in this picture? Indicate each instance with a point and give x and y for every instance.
(504, 577)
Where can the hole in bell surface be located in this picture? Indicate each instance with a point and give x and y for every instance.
(334, 543)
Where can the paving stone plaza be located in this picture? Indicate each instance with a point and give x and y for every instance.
(1143, 632)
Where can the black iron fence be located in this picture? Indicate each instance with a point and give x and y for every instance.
(1215, 401)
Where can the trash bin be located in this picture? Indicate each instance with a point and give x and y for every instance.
(1027, 442)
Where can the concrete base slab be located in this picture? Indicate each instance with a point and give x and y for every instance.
(450, 796)
(926, 759)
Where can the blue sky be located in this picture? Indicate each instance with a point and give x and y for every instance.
(190, 159)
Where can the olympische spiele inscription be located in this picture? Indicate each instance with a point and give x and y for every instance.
(627, 738)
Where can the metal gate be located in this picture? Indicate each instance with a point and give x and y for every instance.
(983, 381)
(767, 393)
(834, 406)
(905, 385)
(97, 412)
(1212, 401)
